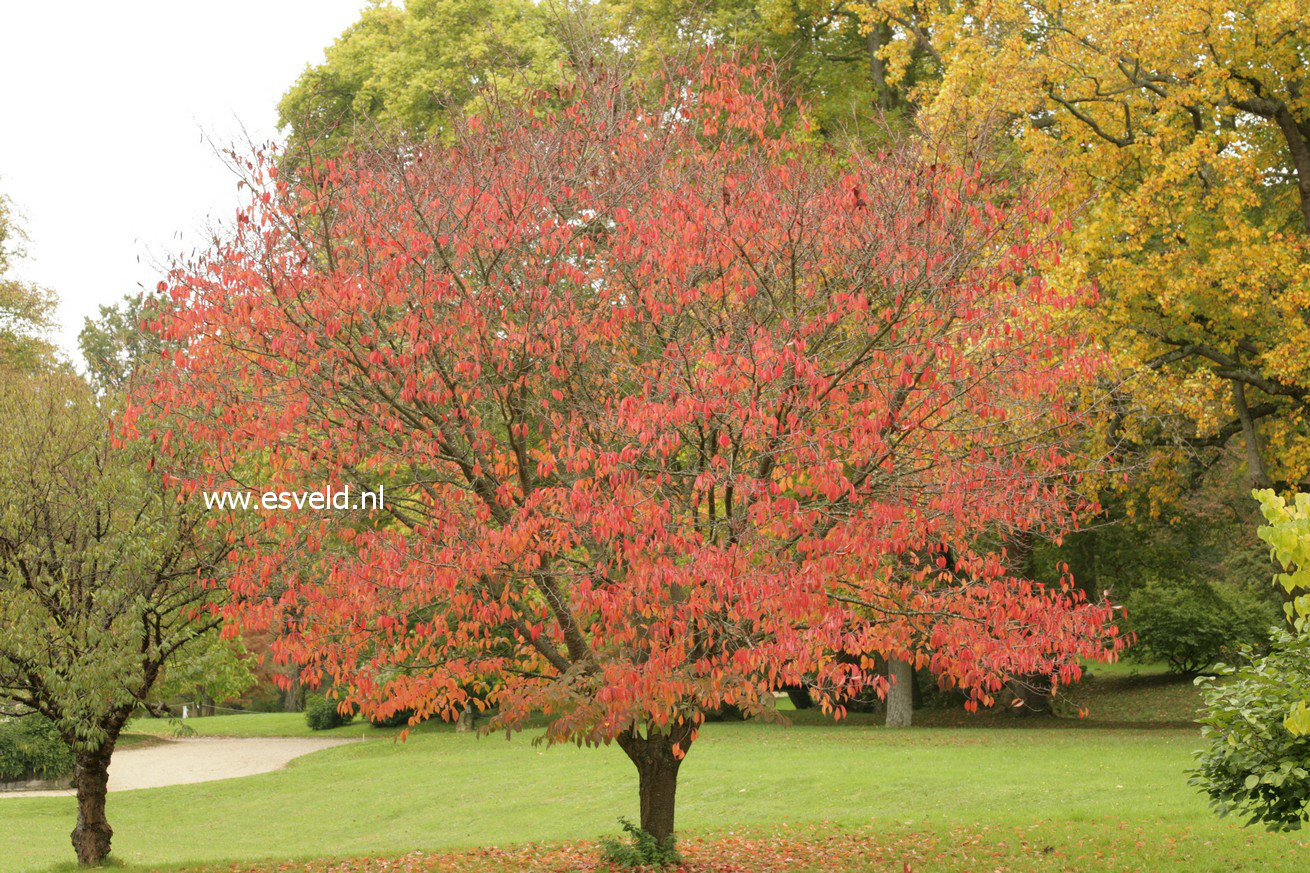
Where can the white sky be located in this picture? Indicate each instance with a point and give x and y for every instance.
(106, 115)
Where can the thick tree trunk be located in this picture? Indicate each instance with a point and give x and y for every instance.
(900, 696)
(879, 36)
(92, 835)
(657, 775)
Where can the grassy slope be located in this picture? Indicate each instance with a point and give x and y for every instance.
(1099, 797)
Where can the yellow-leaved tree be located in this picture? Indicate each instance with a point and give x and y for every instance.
(1183, 127)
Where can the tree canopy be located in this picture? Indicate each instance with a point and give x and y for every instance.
(670, 408)
(1184, 128)
(414, 68)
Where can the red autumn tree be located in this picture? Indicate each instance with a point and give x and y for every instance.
(672, 408)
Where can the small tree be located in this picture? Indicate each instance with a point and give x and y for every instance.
(98, 570)
(1191, 623)
(672, 409)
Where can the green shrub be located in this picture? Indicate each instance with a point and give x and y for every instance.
(1191, 624)
(322, 714)
(1252, 764)
(31, 748)
(641, 850)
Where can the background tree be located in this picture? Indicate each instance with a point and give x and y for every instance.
(1189, 141)
(835, 63)
(411, 68)
(26, 310)
(118, 343)
(669, 407)
(99, 565)
(212, 669)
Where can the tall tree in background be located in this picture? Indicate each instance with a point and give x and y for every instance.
(99, 572)
(835, 62)
(414, 68)
(1185, 127)
(670, 408)
(26, 310)
(118, 344)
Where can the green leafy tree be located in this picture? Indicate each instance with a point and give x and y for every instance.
(116, 344)
(409, 68)
(1191, 624)
(211, 669)
(99, 565)
(26, 310)
(1288, 535)
(837, 61)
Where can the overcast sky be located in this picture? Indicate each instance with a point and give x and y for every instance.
(107, 112)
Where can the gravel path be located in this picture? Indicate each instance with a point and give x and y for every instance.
(198, 759)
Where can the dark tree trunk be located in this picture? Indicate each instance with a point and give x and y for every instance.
(800, 697)
(657, 775)
(1032, 694)
(92, 835)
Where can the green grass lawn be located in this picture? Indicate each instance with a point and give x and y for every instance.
(1043, 797)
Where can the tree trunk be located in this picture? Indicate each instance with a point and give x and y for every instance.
(92, 835)
(657, 775)
(900, 696)
(293, 698)
(1032, 694)
(800, 697)
(879, 36)
(1255, 462)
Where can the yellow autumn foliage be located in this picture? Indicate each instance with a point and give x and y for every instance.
(1181, 133)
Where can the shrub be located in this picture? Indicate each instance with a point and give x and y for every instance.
(1191, 624)
(322, 714)
(1252, 763)
(31, 748)
(641, 850)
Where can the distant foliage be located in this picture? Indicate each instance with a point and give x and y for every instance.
(322, 714)
(31, 748)
(26, 310)
(416, 68)
(1191, 624)
(641, 850)
(1252, 764)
